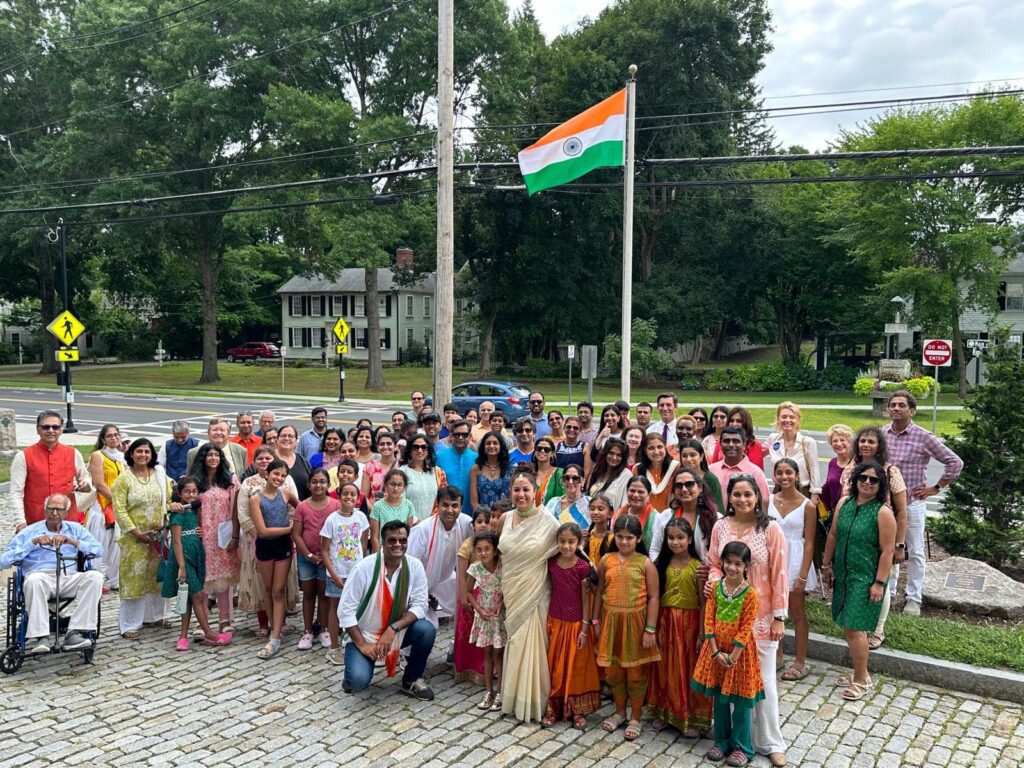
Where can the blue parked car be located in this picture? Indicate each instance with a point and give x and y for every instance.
(509, 396)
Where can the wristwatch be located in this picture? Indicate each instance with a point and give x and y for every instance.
(393, 626)
(938, 488)
(901, 546)
(879, 582)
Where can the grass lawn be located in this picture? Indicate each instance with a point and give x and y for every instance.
(995, 646)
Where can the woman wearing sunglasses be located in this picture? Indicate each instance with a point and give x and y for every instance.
(691, 501)
(549, 474)
(857, 561)
(572, 506)
(424, 478)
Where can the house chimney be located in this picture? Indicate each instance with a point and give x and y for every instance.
(404, 258)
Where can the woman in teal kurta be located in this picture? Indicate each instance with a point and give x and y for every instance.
(858, 558)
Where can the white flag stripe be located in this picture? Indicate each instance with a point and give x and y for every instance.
(533, 159)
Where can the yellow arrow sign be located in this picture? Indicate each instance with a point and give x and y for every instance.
(66, 355)
(66, 328)
(341, 329)
(341, 349)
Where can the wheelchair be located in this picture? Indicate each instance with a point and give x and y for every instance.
(14, 654)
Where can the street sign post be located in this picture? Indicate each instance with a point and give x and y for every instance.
(571, 354)
(341, 331)
(66, 328)
(588, 360)
(937, 353)
(284, 353)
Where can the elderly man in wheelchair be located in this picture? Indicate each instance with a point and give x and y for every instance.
(47, 552)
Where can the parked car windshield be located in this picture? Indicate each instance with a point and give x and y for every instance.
(520, 390)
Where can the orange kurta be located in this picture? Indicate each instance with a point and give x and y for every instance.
(730, 621)
(624, 613)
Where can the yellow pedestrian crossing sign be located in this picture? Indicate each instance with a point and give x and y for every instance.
(67, 355)
(66, 328)
(341, 329)
(341, 349)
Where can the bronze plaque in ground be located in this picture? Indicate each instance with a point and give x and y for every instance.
(964, 582)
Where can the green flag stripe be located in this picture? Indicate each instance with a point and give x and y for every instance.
(602, 155)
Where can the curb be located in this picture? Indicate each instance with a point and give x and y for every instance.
(981, 681)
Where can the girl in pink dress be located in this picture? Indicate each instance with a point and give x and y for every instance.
(217, 491)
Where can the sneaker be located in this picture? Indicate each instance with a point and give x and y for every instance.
(306, 641)
(420, 690)
(485, 702)
(912, 608)
(42, 645)
(182, 644)
(335, 657)
(75, 641)
(325, 639)
(346, 687)
(737, 759)
(715, 755)
(496, 703)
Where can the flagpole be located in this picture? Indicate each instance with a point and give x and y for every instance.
(627, 238)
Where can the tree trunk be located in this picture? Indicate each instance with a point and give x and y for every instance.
(374, 369)
(208, 297)
(787, 334)
(46, 277)
(487, 347)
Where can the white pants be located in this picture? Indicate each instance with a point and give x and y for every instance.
(40, 586)
(110, 563)
(142, 610)
(766, 730)
(915, 548)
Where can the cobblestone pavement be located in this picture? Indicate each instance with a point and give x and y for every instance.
(143, 703)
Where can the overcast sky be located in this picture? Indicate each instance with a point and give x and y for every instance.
(842, 45)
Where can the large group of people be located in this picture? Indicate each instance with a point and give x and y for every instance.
(640, 558)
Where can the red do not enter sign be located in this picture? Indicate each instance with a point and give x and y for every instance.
(937, 352)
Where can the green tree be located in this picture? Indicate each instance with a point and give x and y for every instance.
(983, 513)
(648, 361)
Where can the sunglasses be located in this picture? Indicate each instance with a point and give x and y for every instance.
(543, 449)
(419, 447)
(699, 418)
(687, 484)
(536, 402)
(869, 479)
(572, 429)
(571, 478)
(460, 434)
(51, 427)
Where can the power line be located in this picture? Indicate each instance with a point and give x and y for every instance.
(881, 154)
(316, 154)
(217, 70)
(129, 39)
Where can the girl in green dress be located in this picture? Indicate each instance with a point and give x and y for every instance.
(857, 561)
(187, 561)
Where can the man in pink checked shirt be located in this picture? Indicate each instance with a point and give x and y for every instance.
(911, 448)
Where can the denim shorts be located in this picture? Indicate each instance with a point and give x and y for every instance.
(308, 570)
(332, 589)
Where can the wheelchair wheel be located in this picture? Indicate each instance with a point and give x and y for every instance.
(11, 660)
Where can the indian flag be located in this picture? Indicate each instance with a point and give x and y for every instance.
(593, 139)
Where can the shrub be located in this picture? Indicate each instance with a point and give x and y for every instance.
(8, 354)
(690, 383)
(918, 387)
(863, 386)
(836, 376)
(718, 380)
(983, 513)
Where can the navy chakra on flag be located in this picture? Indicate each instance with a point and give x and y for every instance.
(572, 146)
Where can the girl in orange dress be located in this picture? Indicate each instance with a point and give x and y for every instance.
(680, 629)
(728, 668)
(575, 687)
(628, 585)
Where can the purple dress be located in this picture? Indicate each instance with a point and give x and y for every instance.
(832, 489)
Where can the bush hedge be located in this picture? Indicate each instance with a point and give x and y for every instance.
(770, 377)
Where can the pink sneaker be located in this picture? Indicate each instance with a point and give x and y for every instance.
(182, 644)
(306, 641)
(325, 639)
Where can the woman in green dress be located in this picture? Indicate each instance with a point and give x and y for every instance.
(140, 498)
(857, 561)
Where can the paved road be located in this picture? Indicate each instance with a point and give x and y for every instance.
(143, 703)
(151, 415)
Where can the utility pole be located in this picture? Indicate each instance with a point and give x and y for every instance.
(627, 239)
(444, 306)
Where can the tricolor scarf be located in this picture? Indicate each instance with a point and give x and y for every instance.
(392, 606)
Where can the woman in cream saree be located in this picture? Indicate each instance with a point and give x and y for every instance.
(527, 540)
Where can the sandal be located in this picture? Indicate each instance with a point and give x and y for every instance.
(224, 638)
(843, 682)
(267, 652)
(131, 634)
(737, 759)
(658, 725)
(795, 672)
(548, 720)
(875, 640)
(633, 730)
(715, 755)
(579, 722)
(263, 632)
(856, 691)
(612, 723)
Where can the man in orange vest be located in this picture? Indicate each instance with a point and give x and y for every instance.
(46, 468)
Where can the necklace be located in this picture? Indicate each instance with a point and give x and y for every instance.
(145, 481)
(736, 591)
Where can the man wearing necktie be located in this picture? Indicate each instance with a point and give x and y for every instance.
(666, 425)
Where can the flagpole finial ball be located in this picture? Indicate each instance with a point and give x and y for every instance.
(632, 70)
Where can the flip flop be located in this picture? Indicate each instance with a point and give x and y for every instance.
(795, 672)
(633, 730)
(612, 723)
(875, 640)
